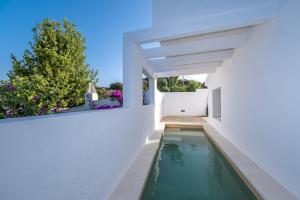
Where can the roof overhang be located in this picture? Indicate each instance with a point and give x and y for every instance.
(201, 45)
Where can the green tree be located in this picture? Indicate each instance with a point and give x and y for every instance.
(18, 98)
(192, 85)
(174, 84)
(162, 85)
(56, 60)
(52, 74)
(102, 92)
(116, 86)
(169, 84)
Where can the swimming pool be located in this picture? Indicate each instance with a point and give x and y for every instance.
(188, 166)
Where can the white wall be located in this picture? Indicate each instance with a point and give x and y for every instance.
(134, 65)
(70, 156)
(194, 103)
(260, 97)
(168, 12)
(159, 96)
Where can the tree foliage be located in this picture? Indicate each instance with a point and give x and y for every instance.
(174, 84)
(116, 86)
(54, 69)
(145, 84)
(103, 92)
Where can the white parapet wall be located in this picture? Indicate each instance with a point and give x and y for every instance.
(260, 97)
(158, 98)
(185, 103)
(70, 156)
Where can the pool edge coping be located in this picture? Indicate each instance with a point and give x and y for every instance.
(223, 153)
(132, 184)
(264, 186)
(259, 182)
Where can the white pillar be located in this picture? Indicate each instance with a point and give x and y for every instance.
(132, 75)
(158, 100)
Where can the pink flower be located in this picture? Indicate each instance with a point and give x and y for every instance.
(105, 107)
(10, 87)
(36, 98)
(9, 113)
(55, 110)
(43, 110)
(102, 107)
(116, 106)
(116, 94)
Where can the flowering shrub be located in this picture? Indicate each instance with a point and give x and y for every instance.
(115, 95)
(104, 107)
(52, 74)
(24, 97)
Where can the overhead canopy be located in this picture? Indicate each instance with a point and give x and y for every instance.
(195, 54)
(199, 46)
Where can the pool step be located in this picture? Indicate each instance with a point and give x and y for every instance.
(172, 139)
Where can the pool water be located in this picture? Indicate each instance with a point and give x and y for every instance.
(189, 167)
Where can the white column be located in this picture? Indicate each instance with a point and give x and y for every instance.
(132, 75)
(158, 99)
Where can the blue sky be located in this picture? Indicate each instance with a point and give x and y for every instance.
(102, 22)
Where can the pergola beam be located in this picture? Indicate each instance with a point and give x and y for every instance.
(199, 44)
(211, 65)
(185, 72)
(192, 59)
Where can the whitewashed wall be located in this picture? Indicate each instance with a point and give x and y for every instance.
(260, 97)
(70, 156)
(159, 96)
(193, 103)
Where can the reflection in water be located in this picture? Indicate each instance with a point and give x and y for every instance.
(174, 153)
(156, 168)
(217, 164)
(188, 167)
(194, 147)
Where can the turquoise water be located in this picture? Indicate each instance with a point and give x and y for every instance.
(188, 167)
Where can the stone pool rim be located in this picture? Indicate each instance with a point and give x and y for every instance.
(256, 179)
(223, 154)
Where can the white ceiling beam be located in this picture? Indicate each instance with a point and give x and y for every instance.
(228, 20)
(235, 32)
(192, 59)
(199, 44)
(185, 72)
(211, 65)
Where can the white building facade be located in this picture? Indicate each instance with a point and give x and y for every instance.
(249, 48)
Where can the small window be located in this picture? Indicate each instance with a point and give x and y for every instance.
(146, 91)
(216, 103)
(148, 88)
